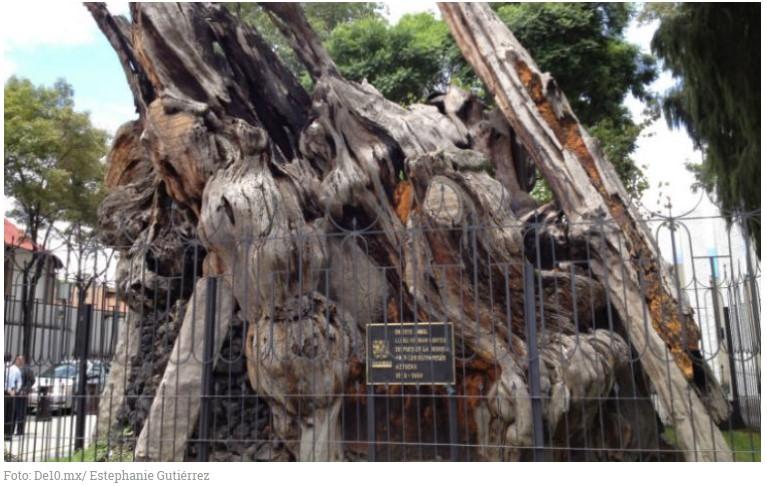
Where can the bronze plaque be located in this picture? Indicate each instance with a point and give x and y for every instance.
(410, 353)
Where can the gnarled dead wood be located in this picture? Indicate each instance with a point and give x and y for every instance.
(175, 411)
(277, 185)
(586, 187)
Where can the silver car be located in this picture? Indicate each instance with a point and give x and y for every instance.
(61, 383)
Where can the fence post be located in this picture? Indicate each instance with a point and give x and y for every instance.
(736, 418)
(723, 334)
(83, 345)
(533, 371)
(203, 451)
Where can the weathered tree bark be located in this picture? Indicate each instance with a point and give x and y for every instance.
(113, 395)
(175, 411)
(587, 187)
(325, 213)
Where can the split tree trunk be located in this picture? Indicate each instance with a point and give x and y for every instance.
(587, 187)
(278, 184)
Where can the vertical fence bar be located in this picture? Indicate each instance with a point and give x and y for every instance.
(754, 297)
(675, 258)
(83, 345)
(715, 301)
(453, 424)
(203, 451)
(533, 370)
(371, 423)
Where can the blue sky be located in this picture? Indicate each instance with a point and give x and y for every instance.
(92, 69)
(47, 41)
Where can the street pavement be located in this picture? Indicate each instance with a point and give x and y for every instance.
(45, 440)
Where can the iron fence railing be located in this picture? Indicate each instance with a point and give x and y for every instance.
(188, 372)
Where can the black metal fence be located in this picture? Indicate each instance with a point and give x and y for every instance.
(191, 378)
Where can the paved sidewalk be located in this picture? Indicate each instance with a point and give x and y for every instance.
(44, 440)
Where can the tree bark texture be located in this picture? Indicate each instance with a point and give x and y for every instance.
(587, 187)
(323, 212)
(175, 411)
(113, 395)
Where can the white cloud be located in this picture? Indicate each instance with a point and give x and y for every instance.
(28, 25)
(397, 9)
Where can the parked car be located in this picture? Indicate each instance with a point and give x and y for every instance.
(61, 382)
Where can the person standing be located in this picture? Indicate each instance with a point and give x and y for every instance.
(14, 390)
(11, 377)
(27, 382)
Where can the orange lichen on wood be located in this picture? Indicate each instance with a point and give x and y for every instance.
(678, 331)
(474, 377)
(403, 200)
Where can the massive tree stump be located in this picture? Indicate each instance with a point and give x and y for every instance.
(327, 211)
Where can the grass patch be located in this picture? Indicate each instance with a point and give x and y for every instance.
(98, 452)
(745, 444)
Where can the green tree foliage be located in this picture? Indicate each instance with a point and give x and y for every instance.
(323, 16)
(713, 50)
(405, 61)
(52, 163)
(326, 16)
(582, 45)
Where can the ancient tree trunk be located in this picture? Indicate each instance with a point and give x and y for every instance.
(327, 212)
(587, 187)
